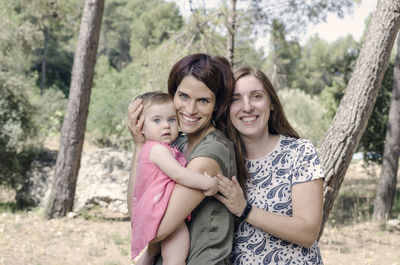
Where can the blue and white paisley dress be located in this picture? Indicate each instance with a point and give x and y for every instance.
(291, 162)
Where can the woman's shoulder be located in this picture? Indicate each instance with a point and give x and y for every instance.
(294, 143)
(217, 136)
(214, 142)
(216, 145)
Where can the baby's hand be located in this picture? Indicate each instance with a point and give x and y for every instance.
(213, 189)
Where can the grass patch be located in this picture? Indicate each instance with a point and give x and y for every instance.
(112, 262)
(118, 240)
(396, 204)
(98, 213)
(352, 207)
(356, 205)
(124, 251)
(9, 207)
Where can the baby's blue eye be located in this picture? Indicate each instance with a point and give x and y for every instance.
(172, 120)
(156, 120)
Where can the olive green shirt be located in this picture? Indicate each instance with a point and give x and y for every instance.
(211, 225)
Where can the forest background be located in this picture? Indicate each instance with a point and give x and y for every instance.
(139, 42)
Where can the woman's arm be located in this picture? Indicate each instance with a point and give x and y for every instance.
(163, 158)
(184, 200)
(302, 228)
(132, 180)
(135, 127)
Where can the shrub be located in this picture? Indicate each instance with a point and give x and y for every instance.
(305, 113)
(50, 111)
(16, 134)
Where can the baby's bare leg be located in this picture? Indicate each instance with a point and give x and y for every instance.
(147, 257)
(175, 248)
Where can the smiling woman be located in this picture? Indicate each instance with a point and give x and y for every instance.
(201, 87)
(159, 167)
(280, 218)
(250, 107)
(195, 106)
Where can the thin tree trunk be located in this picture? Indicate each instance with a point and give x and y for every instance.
(348, 125)
(387, 183)
(72, 133)
(44, 60)
(231, 26)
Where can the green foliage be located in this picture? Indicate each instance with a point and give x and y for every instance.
(131, 26)
(115, 33)
(9, 207)
(372, 143)
(156, 24)
(295, 14)
(57, 22)
(245, 52)
(16, 134)
(283, 59)
(325, 69)
(325, 64)
(17, 40)
(110, 97)
(352, 206)
(50, 111)
(305, 113)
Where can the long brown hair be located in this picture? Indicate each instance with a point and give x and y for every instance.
(277, 123)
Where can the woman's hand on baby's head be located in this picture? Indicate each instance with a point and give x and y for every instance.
(213, 189)
(135, 124)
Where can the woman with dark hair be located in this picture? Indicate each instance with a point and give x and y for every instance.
(280, 219)
(201, 87)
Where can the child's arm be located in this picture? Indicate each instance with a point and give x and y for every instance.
(162, 157)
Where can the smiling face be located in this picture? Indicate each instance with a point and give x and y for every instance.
(160, 122)
(195, 104)
(250, 107)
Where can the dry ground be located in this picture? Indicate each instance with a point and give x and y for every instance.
(103, 238)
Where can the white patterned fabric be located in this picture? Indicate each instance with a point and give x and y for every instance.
(291, 162)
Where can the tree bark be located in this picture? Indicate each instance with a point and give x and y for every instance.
(44, 60)
(386, 189)
(72, 133)
(231, 26)
(348, 125)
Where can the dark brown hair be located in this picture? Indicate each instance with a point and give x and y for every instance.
(216, 73)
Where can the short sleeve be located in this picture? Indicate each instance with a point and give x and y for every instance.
(220, 149)
(307, 164)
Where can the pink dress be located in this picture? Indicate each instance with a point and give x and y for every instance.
(152, 191)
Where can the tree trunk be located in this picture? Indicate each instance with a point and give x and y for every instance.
(44, 60)
(387, 183)
(72, 133)
(348, 125)
(231, 26)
